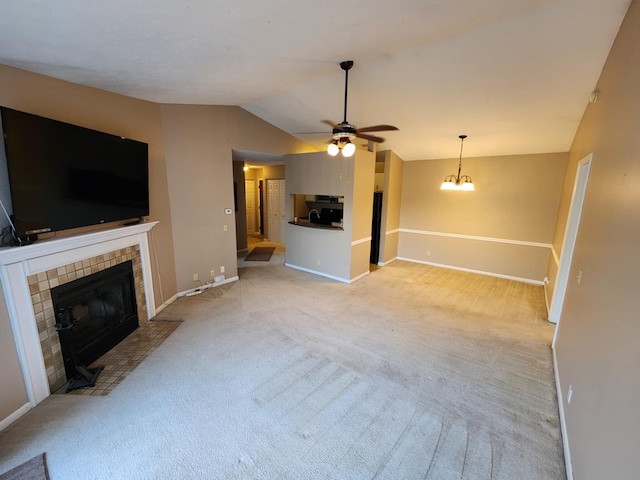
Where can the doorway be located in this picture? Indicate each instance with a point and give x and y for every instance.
(261, 206)
(569, 242)
(276, 210)
(376, 224)
(250, 199)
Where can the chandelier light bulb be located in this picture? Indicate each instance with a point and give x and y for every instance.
(467, 186)
(333, 149)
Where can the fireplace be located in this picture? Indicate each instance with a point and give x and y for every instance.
(30, 272)
(94, 314)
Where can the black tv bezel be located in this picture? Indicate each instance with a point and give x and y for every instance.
(27, 234)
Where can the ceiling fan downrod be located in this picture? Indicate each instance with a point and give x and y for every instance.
(346, 66)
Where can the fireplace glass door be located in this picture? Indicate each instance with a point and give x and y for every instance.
(98, 310)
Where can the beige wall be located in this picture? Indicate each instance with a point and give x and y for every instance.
(330, 252)
(598, 340)
(12, 393)
(198, 143)
(199, 169)
(241, 200)
(515, 202)
(362, 213)
(325, 251)
(111, 113)
(391, 201)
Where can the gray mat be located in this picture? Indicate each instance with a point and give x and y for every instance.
(34, 469)
(260, 254)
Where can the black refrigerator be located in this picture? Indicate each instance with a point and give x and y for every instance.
(375, 228)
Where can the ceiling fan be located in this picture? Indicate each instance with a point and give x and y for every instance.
(344, 132)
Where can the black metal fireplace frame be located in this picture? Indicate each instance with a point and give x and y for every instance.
(84, 340)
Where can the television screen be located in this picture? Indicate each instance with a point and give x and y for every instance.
(64, 176)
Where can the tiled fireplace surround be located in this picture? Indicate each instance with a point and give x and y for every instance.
(28, 273)
(40, 286)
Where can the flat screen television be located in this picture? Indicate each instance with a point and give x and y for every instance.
(65, 176)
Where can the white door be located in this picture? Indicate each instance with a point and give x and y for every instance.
(250, 196)
(281, 210)
(275, 210)
(272, 207)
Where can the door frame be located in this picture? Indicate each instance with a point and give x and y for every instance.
(261, 205)
(569, 242)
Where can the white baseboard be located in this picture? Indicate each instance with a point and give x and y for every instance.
(546, 298)
(322, 274)
(207, 286)
(14, 416)
(355, 279)
(382, 264)
(470, 270)
(563, 425)
(166, 304)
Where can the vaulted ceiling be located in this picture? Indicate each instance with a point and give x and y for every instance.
(515, 76)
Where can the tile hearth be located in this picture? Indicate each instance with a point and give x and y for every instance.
(127, 355)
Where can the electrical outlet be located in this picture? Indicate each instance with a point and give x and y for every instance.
(213, 273)
(222, 269)
(195, 277)
(428, 253)
(318, 261)
(579, 277)
(225, 228)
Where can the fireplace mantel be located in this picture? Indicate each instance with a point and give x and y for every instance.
(18, 263)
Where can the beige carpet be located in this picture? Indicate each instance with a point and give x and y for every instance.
(412, 372)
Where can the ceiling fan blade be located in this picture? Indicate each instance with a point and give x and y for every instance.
(377, 128)
(373, 138)
(331, 124)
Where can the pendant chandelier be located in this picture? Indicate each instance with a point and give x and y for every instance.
(458, 182)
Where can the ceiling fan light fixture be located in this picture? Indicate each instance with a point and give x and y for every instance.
(345, 132)
(349, 149)
(333, 149)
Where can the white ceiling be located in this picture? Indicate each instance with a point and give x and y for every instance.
(514, 75)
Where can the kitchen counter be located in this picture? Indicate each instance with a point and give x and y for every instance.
(303, 223)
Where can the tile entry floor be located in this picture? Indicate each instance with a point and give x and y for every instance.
(127, 355)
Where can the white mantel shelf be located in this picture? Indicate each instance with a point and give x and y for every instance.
(44, 248)
(18, 263)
